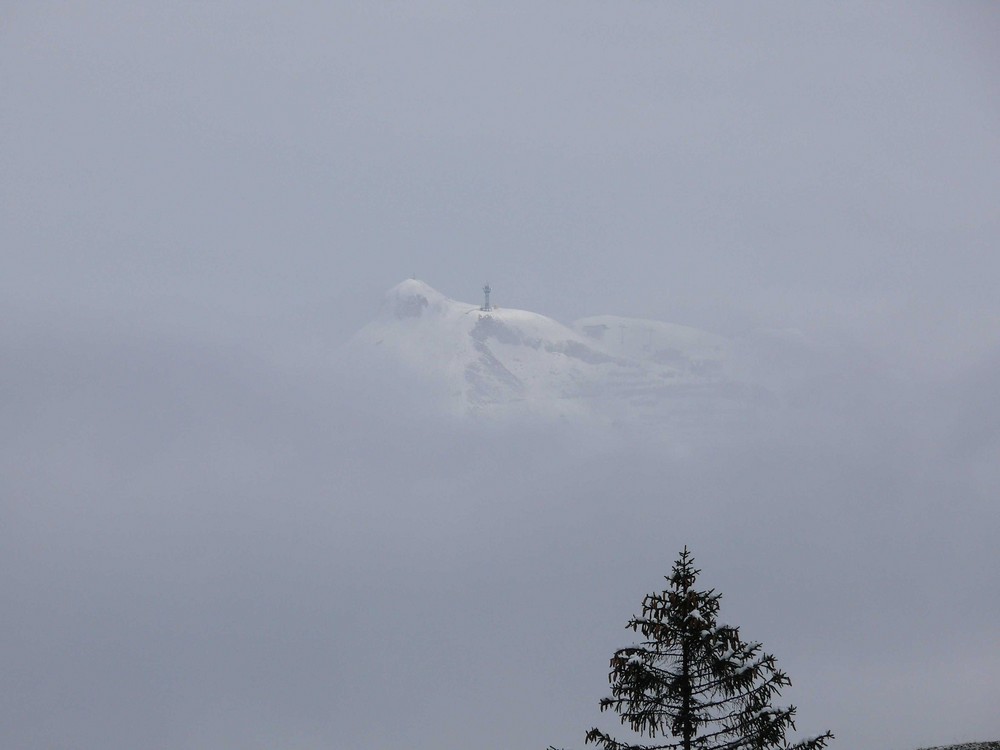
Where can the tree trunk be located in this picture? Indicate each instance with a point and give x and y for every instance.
(686, 728)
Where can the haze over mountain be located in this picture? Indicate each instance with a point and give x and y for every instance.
(221, 528)
(500, 361)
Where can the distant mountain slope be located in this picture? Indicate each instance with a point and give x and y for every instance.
(689, 349)
(995, 745)
(503, 360)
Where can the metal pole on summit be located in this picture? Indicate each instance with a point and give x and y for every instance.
(486, 302)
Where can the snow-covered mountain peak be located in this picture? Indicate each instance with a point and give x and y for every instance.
(412, 299)
(502, 359)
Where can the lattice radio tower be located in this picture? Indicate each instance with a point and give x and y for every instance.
(486, 298)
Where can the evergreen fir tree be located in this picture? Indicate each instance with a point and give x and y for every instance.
(694, 681)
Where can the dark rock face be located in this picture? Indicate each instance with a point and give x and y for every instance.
(489, 381)
(583, 353)
(410, 307)
(596, 331)
(489, 327)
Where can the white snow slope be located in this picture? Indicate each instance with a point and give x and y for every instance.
(514, 361)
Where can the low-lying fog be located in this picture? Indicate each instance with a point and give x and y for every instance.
(215, 535)
(207, 548)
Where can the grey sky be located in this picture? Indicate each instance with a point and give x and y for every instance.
(203, 543)
(652, 159)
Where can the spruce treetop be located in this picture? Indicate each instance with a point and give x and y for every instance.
(694, 682)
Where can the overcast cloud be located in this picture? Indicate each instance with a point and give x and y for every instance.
(208, 540)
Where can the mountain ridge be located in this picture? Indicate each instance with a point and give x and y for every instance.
(503, 360)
